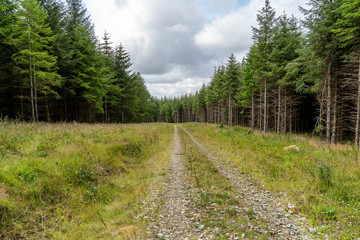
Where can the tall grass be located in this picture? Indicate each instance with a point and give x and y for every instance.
(57, 179)
(323, 180)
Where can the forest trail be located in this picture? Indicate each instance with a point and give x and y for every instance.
(174, 212)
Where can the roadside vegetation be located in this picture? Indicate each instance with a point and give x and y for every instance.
(322, 179)
(76, 181)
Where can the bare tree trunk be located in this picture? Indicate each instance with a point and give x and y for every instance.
(279, 111)
(230, 123)
(106, 111)
(358, 111)
(21, 104)
(47, 109)
(334, 124)
(32, 91)
(265, 106)
(260, 112)
(218, 113)
(328, 105)
(252, 111)
(35, 95)
(285, 113)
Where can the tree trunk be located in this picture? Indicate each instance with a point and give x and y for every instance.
(265, 106)
(358, 111)
(35, 95)
(21, 104)
(32, 90)
(285, 113)
(260, 112)
(279, 111)
(334, 123)
(328, 105)
(252, 111)
(230, 123)
(106, 110)
(47, 109)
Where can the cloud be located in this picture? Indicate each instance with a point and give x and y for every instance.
(176, 45)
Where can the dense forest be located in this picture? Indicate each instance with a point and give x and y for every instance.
(298, 76)
(54, 68)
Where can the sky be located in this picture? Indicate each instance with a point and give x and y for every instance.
(175, 45)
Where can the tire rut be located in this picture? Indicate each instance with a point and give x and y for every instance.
(271, 216)
(172, 213)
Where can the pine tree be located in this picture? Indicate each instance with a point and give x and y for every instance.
(232, 84)
(32, 38)
(82, 91)
(348, 31)
(7, 22)
(320, 20)
(285, 43)
(262, 37)
(122, 64)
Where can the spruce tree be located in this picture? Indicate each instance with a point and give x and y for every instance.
(348, 31)
(232, 84)
(32, 38)
(7, 22)
(320, 20)
(262, 37)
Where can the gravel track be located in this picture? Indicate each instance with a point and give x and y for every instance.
(281, 222)
(171, 211)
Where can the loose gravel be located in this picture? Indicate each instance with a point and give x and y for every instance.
(281, 222)
(171, 211)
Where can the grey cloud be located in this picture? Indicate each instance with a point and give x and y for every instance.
(121, 3)
(176, 44)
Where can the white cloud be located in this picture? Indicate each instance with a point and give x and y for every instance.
(176, 45)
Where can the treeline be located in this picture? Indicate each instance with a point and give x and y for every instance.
(54, 68)
(298, 76)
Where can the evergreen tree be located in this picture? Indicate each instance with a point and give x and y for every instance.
(285, 43)
(82, 91)
(7, 22)
(232, 84)
(122, 64)
(320, 20)
(348, 31)
(32, 38)
(262, 37)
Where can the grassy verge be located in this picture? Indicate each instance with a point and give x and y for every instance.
(219, 204)
(75, 181)
(323, 180)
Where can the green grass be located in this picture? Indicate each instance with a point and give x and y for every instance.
(323, 180)
(76, 181)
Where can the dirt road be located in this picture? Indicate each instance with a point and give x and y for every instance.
(173, 212)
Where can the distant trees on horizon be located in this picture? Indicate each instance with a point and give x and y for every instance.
(297, 77)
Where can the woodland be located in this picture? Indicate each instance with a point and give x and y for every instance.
(298, 76)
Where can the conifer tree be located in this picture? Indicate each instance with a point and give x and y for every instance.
(232, 84)
(262, 37)
(348, 31)
(7, 22)
(320, 20)
(32, 38)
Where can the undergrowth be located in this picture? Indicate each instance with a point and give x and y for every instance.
(57, 180)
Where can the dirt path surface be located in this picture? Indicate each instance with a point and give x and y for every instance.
(173, 214)
(172, 211)
(275, 217)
